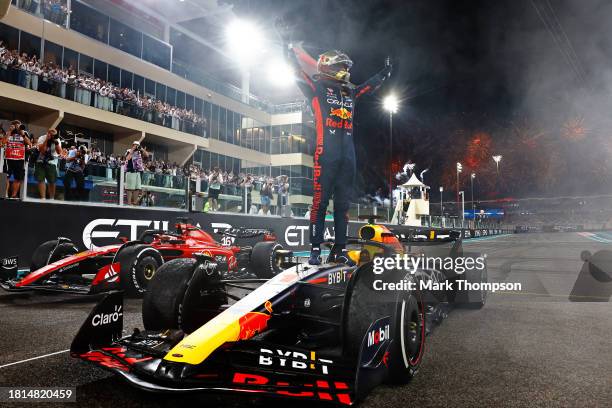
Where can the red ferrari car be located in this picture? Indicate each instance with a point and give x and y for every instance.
(58, 265)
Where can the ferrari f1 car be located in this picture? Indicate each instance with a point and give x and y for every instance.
(58, 265)
(311, 332)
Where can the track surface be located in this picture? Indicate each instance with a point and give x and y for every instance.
(533, 348)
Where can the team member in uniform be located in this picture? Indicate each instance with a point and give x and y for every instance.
(326, 83)
(16, 142)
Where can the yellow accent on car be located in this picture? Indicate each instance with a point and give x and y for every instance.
(196, 347)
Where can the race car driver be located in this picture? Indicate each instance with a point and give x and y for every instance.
(332, 96)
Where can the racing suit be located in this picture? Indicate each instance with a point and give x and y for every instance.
(333, 104)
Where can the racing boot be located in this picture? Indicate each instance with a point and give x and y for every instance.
(315, 256)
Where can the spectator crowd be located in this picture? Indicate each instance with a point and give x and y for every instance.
(47, 77)
(50, 156)
(55, 11)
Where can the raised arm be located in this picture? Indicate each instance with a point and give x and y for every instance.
(375, 82)
(304, 66)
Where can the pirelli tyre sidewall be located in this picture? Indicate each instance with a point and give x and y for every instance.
(265, 262)
(138, 264)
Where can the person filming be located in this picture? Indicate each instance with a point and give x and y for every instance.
(75, 169)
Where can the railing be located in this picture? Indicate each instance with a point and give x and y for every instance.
(70, 91)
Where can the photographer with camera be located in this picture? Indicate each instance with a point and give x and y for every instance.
(16, 141)
(75, 168)
(215, 180)
(282, 190)
(45, 169)
(267, 194)
(135, 158)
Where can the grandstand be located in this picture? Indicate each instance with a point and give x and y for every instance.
(108, 73)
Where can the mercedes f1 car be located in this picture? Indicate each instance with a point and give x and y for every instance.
(58, 265)
(311, 332)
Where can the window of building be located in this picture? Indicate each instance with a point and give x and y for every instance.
(125, 38)
(189, 102)
(9, 36)
(139, 84)
(180, 99)
(53, 53)
(85, 64)
(171, 96)
(114, 75)
(214, 122)
(30, 44)
(160, 91)
(101, 70)
(88, 21)
(71, 59)
(150, 87)
(223, 124)
(126, 79)
(156, 52)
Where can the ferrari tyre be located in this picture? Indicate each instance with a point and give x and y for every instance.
(408, 343)
(265, 263)
(161, 306)
(49, 252)
(137, 266)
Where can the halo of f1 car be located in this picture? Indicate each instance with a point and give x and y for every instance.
(310, 332)
(58, 265)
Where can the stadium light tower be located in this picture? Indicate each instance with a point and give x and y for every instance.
(472, 177)
(441, 207)
(280, 73)
(497, 158)
(390, 104)
(459, 169)
(245, 41)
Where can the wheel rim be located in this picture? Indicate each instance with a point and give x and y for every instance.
(412, 334)
(148, 271)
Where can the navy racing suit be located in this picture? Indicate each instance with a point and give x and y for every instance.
(333, 104)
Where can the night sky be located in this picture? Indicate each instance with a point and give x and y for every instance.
(528, 79)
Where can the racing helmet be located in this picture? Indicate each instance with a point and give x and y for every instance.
(335, 64)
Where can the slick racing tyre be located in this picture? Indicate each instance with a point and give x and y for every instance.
(183, 294)
(265, 261)
(138, 264)
(50, 252)
(408, 338)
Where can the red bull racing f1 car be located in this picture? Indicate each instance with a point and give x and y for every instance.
(310, 332)
(59, 265)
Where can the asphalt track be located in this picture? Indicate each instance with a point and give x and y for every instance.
(533, 348)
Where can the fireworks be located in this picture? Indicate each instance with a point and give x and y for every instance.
(574, 129)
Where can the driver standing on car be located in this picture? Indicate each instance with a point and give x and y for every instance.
(326, 84)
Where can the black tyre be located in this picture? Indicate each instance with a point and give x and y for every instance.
(366, 305)
(182, 295)
(265, 261)
(409, 338)
(138, 264)
(49, 252)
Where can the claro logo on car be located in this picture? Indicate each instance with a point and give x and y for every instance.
(93, 230)
(102, 319)
(293, 359)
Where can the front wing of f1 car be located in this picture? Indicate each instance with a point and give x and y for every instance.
(227, 354)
